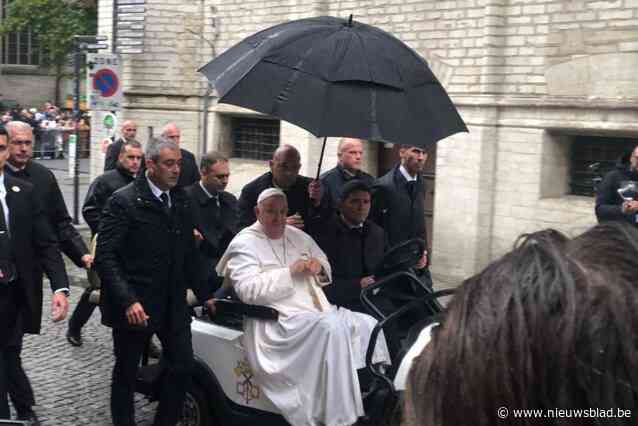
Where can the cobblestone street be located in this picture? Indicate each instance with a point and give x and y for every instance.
(72, 385)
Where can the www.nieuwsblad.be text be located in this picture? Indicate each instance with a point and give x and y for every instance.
(560, 413)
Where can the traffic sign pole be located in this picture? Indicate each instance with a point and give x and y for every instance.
(77, 57)
(80, 44)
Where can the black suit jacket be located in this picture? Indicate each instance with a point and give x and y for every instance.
(99, 192)
(33, 242)
(401, 215)
(112, 154)
(47, 192)
(189, 173)
(353, 254)
(218, 224)
(334, 179)
(146, 255)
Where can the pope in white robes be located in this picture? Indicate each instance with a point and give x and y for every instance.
(307, 361)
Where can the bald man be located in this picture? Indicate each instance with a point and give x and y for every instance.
(128, 131)
(189, 173)
(350, 159)
(308, 208)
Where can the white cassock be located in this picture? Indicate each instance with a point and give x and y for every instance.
(306, 363)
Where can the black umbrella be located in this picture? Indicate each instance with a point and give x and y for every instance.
(337, 78)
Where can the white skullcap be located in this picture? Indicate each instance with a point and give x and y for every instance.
(270, 192)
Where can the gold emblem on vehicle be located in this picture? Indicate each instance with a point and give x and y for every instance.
(245, 386)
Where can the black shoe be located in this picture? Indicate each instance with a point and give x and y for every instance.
(74, 339)
(30, 417)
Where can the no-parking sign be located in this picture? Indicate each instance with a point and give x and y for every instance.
(104, 84)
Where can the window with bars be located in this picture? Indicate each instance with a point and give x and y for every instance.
(587, 150)
(18, 48)
(254, 138)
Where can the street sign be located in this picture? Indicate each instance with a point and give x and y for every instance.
(131, 34)
(104, 86)
(125, 50)
(97, 46)
(139, 26)
(110, 123)
(136, 17)
(129, 26)
(124, 42)
(131, 9)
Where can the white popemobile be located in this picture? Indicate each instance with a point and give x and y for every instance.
(224, 391)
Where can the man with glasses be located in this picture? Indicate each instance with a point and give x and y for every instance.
(189, 174)
(307, 207)
(215, 213)
(26, 206)
(610, 204)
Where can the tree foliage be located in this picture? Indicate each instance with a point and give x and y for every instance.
(53, 23)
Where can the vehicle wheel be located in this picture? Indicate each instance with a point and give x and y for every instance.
(196, 410)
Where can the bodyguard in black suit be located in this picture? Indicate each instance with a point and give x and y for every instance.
(101, 189)
(25, 236)
(146, 258)
(348, 168)
(354, 246)
(189, 173)
(48, 193)
(215, 213)
(128, 132)
(308, 208)
(398, 200)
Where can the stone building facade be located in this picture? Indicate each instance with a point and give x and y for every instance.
(533, 80)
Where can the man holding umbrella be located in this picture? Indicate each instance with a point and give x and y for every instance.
(307, 207)
(348, 168)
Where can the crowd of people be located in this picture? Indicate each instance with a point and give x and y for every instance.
(51, 128)
(162, 223)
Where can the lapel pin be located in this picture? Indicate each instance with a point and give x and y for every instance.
(15, 188)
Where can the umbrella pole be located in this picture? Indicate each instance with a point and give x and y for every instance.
(323, 149)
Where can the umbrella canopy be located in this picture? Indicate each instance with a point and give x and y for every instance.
(339, 78)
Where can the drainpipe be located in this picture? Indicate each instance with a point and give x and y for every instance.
(207, 95)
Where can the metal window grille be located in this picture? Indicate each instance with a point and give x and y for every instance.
(18, 48)
(587, 150)
(254, 138)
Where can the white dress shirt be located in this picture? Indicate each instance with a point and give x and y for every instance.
(158, 192)
(3, 200)
(406, 175)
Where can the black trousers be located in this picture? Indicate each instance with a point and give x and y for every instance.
(82, 313)
(13, 379)
(177, 351)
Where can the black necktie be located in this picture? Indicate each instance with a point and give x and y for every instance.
(411, 188)
(164, 198)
